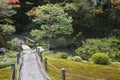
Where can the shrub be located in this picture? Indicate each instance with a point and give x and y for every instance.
(9, 45)
(104, 45)
(10, 55)
(14, 43)
(76, 58)
(83, 53)
(63, 55)
(100, 58)
(6, 64)
(30, 44)
(117, 64)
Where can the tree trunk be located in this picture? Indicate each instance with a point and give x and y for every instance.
(98, 2)
(48, 45)
(4, 39)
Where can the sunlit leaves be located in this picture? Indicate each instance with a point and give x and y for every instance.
(36, 34)
(6, 9)
(7, 29)
(54, 20)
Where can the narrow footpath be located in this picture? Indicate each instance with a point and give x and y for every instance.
(30, 69)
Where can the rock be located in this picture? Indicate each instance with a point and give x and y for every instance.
(41, 49)
(3, 50)
(5, 60)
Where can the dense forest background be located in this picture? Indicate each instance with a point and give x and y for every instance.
(93, 22)
(92, 19)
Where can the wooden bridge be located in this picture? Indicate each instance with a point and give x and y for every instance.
(30, 68)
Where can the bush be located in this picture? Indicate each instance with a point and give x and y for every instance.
(14, 43)
(83, 53)
(76, 58)
(116, 64)
(63, 55)
(100, 58)
(104, 45)
(10, 55)
(5, 64)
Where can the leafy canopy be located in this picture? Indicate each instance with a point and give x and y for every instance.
(7, 29)
(54, 21)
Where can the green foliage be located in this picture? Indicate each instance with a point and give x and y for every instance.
(76, 58)
(10, 55)
(5, 9)
(62, 55)
(54, 20)
(116, 64)
(5, 64)
(36, 34)
(11, 59)
(101, 58)
(115, 33)
(14, 43)
(104, 45)
(83, 53)
(7, 29)
(76, 5)
(83, 68)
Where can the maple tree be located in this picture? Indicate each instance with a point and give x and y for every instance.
(116, 1)
(12, 1)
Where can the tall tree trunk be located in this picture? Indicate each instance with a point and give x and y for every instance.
(4, 38)
(98, 2)
(48, 45)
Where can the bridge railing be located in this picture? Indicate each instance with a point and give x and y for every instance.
(40, 60)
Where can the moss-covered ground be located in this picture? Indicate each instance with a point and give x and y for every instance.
(5, 74)
(82, 70)
(5, 67)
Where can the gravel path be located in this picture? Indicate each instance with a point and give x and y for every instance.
(30, 69)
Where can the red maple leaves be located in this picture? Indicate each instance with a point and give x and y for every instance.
(15, 3)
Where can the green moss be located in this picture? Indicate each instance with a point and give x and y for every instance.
(6, 64)
(5, 74)
(88, 69)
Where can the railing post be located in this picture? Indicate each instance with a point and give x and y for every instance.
(41, 58)
(36, 46)
(19, 49)
(40, 55)
(45, 64)
(13, 71)
(63, 73)
(18, 57)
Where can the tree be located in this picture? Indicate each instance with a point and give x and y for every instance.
(36, 34)
(6, 11)
(54, 21)
(6, 8)
(6, 30)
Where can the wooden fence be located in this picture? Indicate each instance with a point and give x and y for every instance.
(63, 72)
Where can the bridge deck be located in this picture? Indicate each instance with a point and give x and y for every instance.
(30, 69)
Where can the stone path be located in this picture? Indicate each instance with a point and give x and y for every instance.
(24, 47)
(30, 69)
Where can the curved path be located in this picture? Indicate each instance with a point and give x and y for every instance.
(30, 69)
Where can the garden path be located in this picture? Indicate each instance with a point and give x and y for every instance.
(30, 69)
